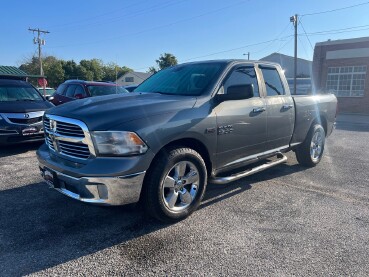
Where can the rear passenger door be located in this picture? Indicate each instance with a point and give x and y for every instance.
(280, 109)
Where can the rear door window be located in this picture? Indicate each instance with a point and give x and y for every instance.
(79, 91)
(60, 90)
(70, 91)
(273, 82)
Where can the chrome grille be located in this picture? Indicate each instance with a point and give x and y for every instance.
(68, 137)
(74, 149)
(49, 142)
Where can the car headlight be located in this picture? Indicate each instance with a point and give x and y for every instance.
(118, 143)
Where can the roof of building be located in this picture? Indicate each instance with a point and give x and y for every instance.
(342, 41)
(281, 56)
(13, 71)
(140, 75)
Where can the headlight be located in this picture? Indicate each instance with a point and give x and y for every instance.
(118, 143)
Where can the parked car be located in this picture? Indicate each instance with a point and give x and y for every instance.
(48, 91)
(78, 89)
(21, 110)
(184, 126)
(130, 88)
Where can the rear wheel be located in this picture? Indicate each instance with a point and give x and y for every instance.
(175, 185)
(310, 152)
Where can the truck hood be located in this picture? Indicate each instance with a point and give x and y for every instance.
(24, 106)
(106, 112)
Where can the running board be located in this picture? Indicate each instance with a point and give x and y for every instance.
(224, 180)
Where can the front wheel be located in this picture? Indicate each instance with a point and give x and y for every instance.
(175, 185)
(310, 152)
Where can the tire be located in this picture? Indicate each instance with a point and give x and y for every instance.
(175, 185)
(310, 152)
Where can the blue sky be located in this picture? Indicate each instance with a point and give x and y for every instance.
(135, 32)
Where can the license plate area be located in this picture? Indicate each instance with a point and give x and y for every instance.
(51, 178)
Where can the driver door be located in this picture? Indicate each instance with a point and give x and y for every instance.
(241, 124)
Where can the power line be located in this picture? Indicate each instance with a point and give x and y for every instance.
(80, 27)
(349, 29)
(154, 28)
(306, 35)
(94, 17)
(335, 10)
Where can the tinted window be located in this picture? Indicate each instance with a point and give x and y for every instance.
(272, 81)
(70, 91)
(105, 90)
(187, 79)
(60, 89)
(79, 90)
(11, 92)
(243, 76)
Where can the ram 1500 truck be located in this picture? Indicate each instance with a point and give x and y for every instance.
(185, 126)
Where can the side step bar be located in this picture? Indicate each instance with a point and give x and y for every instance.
(224, 180)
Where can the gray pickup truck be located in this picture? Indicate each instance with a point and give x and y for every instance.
(185, 126)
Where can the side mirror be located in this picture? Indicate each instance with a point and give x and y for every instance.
(79, 96)
(237, 92)
(49, 98)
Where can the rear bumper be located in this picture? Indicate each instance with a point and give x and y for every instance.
(118, 190)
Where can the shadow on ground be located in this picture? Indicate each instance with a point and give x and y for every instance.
(41, 228)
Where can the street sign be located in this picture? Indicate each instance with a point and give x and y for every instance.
(42, 82)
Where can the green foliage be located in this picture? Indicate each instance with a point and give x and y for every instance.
(57, 70)
(165, 60)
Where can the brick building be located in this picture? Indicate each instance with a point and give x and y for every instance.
(341, 66)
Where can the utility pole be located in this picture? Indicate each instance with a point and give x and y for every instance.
(294, 20)
(40, 42)
(248, 55)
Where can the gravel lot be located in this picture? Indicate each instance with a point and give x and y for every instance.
(288, 220)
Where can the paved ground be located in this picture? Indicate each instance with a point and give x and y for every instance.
(285, 221)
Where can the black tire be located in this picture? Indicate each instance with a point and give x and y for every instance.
(155, 195)
(304, 153)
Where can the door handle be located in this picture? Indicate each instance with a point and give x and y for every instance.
(287, 107)
(258, 110)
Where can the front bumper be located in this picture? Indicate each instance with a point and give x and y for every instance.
(104, 181)
(118, 190)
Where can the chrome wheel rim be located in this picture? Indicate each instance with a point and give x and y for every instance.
(180, 186)
(316, 146)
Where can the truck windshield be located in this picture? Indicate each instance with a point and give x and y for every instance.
(188, 79)
(11, 92)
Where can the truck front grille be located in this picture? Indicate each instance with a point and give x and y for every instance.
(68, 137)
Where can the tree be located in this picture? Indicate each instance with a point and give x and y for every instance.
(165, 60)
(112, 71)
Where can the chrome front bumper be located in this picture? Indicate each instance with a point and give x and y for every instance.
(118, 190)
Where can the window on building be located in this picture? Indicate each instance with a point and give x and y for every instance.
(346, 81)
(129, 79)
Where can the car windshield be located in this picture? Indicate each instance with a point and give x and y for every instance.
(188, 79)
(48, 91)
(11, 92)
(98, 90)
